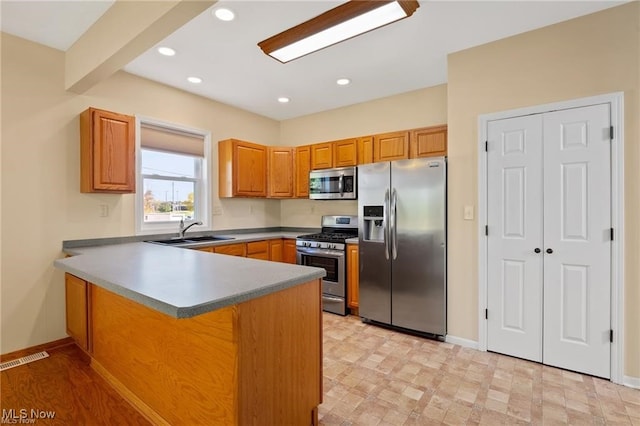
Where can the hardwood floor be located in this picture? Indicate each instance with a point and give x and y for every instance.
(372, 377)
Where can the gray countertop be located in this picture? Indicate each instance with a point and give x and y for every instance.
(183, 283)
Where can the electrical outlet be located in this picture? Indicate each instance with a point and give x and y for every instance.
(104, 210)
(468, 212)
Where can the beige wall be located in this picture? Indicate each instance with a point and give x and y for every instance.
(587, 56)
(42, 203)
(419, 108)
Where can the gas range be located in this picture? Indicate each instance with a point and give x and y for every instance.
(326, 250)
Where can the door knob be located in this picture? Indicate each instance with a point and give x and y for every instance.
(549, 251)
(537, 250)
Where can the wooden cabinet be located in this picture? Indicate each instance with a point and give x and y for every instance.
(353, 266)
(289, 251)
(302, 169)
(281, 171)
(322, 155)
(276, 249)
(107, 152)
(207, 249)
(258, 250)
(365, 150)
(391, 146)
(345, 153)
(77, 311)
(242, 169)
(428, 142)
(237, 249)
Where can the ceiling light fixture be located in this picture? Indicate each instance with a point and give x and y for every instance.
(224, 14)
(283, 100)
(338, 24)
(343, 81)
(194, 80)
(166, 51)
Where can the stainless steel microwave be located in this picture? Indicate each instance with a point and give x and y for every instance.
(333, 184)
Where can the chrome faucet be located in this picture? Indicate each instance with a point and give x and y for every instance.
(182, 229)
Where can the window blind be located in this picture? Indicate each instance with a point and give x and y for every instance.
(161, 139)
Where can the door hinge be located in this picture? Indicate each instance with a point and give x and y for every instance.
(611, 132)
(486, 314)
(486, 230)
(611, 336)
(486, 146)
(611, 234)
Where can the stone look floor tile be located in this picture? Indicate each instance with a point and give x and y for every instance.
(378, 377)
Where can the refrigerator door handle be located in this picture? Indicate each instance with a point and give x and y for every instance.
(386, 224)
(394, 228)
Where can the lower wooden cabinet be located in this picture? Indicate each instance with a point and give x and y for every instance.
(77, 311)
(276, 250)
(237, 249)
(289, 251)
(353, 265)
(258, 250)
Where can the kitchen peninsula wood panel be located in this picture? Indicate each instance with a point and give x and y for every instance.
(242, 169)
(391, 146)
(428, 142)
(107, 152)
(281, 172)
(256, 362)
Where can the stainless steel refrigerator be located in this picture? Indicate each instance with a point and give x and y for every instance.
(402, 244)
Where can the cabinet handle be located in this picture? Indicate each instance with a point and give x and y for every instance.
(549, 251)
(537, 250)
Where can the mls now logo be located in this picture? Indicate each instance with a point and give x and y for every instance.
(24, 416)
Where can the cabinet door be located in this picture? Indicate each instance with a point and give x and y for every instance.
(391, 146)
(289, 251)
(281, 172)
(428, 142)
(77, 312)
(322, 155)
(345, 153)
(352, 276)
(237, 249)
(107, 146)
(303, 167)
(365, 150)
(258, 250)
(250, 164)
(276, 250)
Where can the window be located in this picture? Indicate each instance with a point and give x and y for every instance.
(172, 177)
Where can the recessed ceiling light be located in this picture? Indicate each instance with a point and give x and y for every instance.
(343, 81)
(194, 80)
(283, 100)
(224, 14)
(166, 51)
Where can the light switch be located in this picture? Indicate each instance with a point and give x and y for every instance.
(468, 212)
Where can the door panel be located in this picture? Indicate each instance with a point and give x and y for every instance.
(514, 185)
(577, 217)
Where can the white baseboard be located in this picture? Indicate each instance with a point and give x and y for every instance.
(472, 344)
(632, 382)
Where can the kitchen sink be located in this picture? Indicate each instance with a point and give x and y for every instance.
(190, 240)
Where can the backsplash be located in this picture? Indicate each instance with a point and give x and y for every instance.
(308, 213)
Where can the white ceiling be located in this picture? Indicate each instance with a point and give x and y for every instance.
(400, 57)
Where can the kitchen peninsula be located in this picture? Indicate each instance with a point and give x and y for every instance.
(190, 337)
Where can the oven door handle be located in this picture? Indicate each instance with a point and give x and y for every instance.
(323, 253)
(331, 298)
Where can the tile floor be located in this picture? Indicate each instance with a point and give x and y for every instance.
(374, 376)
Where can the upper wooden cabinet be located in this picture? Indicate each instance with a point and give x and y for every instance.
(365, 150)
(242, 169)
(345, 153)
(303, 167)
(322, 155)
(391, 146)
(107, 152)
(281, 172)
(428, 142)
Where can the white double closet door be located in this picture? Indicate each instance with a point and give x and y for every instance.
(549, 238)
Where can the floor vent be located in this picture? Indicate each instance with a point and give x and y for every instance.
(24, 360)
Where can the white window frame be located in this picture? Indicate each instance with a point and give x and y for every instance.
(203, 186)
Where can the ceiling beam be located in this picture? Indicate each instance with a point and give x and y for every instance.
(125, 31)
